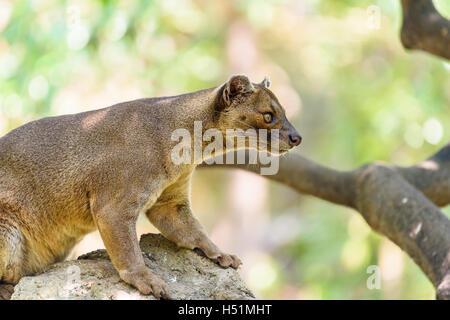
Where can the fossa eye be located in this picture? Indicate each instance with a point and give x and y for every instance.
(268, 117)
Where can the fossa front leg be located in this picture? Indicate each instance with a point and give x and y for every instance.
(117, 226)
(173, 216)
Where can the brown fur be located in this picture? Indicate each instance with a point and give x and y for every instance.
(63, 177)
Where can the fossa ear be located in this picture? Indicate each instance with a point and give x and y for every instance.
(237, 85)
(266, 82)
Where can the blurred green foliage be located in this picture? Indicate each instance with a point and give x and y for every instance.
(361, 98)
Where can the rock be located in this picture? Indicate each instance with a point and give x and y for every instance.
(188, 275)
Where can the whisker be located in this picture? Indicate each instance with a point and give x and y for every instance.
(246, 124)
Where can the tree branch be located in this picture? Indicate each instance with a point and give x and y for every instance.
(401, 203)
(398, 202)
(424, 28)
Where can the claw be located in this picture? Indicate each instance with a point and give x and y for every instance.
(146, 282)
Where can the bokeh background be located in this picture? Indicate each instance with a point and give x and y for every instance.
(338, 68)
